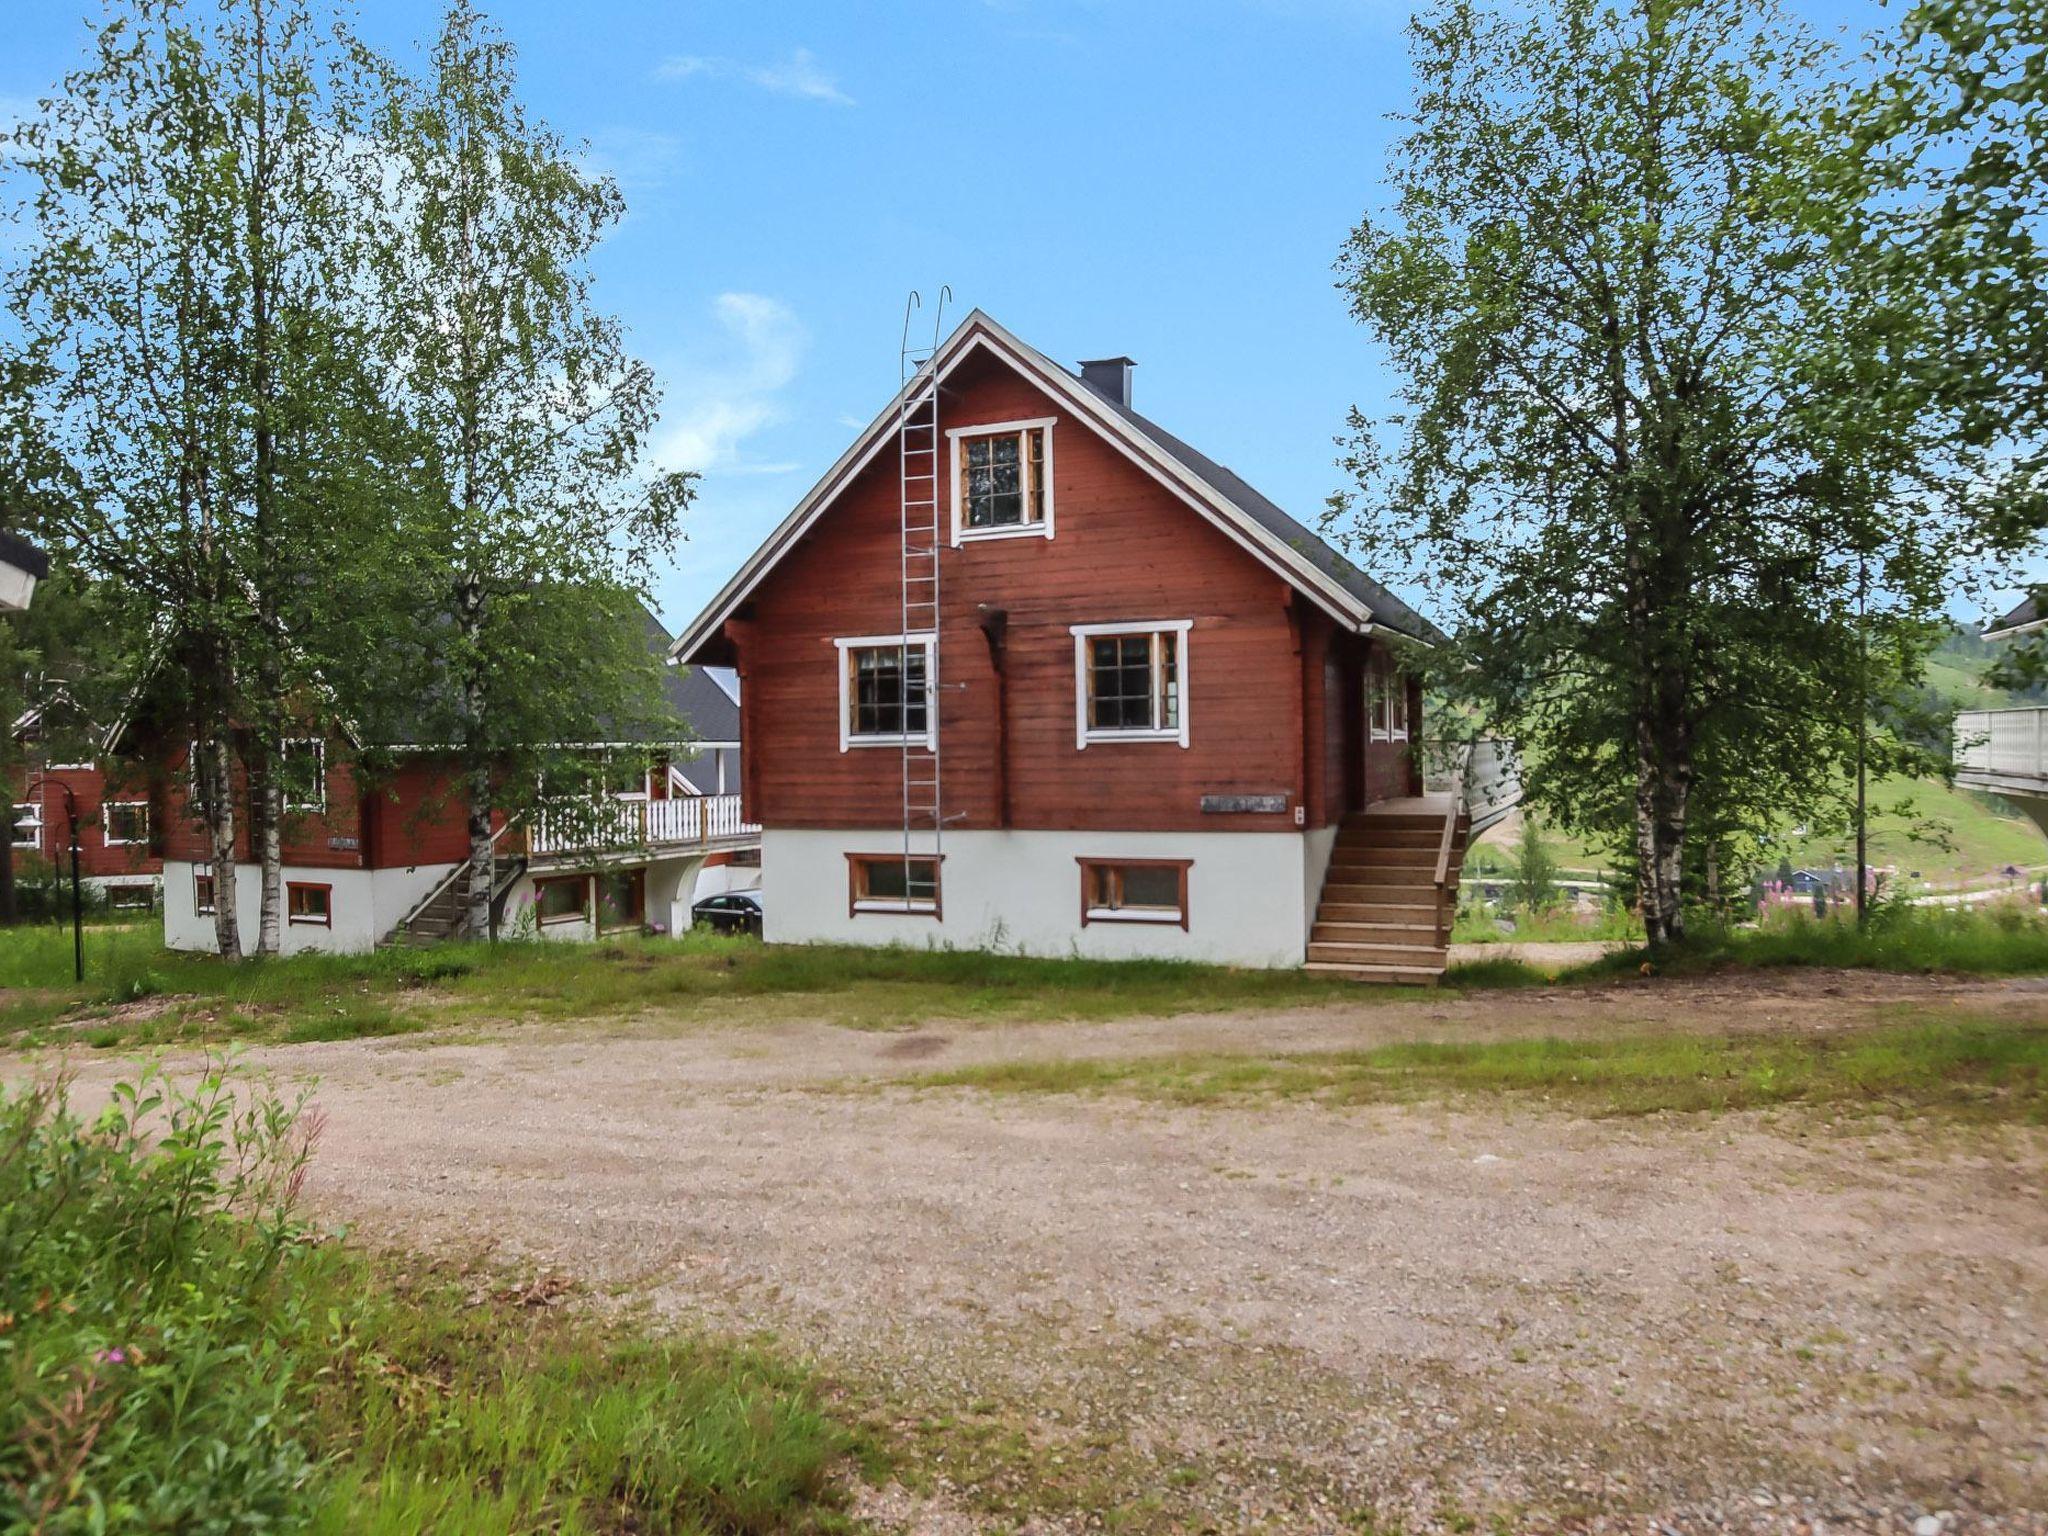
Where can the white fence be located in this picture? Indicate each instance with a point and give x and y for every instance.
(700, 820)
(2012, 743)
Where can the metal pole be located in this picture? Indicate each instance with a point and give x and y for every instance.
(1862, 737)
(77, 916)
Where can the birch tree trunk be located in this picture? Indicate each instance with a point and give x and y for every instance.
(266, 811)
(469, 607)
(220, 796)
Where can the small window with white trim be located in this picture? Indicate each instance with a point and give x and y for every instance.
(202, 890)
(1130, 682)
(124, 822)
(302, 768)
(889, 882)
(1134, 891)
(1002, 479)
(1386, 700)
(28, 825)
(885, 691)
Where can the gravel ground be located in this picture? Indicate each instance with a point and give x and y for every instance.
(1282, 1316)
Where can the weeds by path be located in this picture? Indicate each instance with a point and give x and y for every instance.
(179, 1352)
(1981, 1069)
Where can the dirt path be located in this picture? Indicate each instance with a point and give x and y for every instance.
(1391, 1318)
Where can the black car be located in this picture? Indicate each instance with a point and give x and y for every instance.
(733, 912)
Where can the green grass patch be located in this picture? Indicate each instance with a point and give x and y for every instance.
(138, 993)
(1990, 1069)
(180, 1353)
(1995, 939)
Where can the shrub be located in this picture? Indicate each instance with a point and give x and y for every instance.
(138, 1259)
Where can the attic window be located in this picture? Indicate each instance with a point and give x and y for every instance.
(302, 765)
(1002, 480)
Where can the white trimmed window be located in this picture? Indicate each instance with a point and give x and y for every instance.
(885, 696)
(124, 822)
(28, 825)
(1386, 701)
(1130, 681)
(1002, 480)
(302, 763)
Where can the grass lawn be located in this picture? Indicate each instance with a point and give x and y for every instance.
(1949, 835)
(138, 993)
(1991, 1069)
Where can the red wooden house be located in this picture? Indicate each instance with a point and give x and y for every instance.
(1024, 670)
(370, 860)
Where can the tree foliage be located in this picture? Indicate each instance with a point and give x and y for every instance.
(1653, 445)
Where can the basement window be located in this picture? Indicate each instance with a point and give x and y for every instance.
(309, 905)
(202, 892)
(888, 882)
(1134, 891)
(1002, 480)
(1130, 682)
(561, 901)
(885, 691)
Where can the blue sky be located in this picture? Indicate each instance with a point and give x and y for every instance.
(1171, 181)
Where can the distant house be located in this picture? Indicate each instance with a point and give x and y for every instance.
(1024, 670)
(22, 565)
(368, 861)
(2005, 751)
(116, 826)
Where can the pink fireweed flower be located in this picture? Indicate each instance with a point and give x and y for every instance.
(111, 1357)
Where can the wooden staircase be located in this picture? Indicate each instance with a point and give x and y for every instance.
(440, 916)
(1383, 917)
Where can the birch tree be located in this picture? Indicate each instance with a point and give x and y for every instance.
(1651, 426)
(533, 523)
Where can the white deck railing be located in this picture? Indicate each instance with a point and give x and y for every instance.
(2011, 743)
(684, 820)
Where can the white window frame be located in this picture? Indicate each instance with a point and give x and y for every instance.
(106, 827)
(928, 738)
(1086, 736)
(1386, 702)
(314, 808)
(33, 818)
(1042, 529)
(203, 872)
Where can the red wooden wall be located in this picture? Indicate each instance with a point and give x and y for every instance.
(1271, 684)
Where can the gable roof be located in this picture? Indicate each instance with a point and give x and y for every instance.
(22, 555)
(1257, 524)
(2023, 620)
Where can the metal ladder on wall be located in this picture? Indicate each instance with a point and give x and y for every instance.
(917, 444)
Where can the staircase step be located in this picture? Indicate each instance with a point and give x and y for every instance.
(1337, 931)
(1381, 858)
(1356, 836)
(1426, 954)
(1393, 913)
(1391, 975)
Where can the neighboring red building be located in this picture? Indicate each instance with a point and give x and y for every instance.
(1026, 671)
(362, 867)
(117, 851)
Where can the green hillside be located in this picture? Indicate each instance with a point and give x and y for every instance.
(1914, 820)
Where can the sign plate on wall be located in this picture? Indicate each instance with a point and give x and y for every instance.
(1221, 805)
(344, 843)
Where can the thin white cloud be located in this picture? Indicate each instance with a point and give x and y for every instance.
(732, 395)
(636, 158)
(798, 75)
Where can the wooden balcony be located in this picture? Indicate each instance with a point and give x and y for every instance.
(2005, 750)
(683, 824)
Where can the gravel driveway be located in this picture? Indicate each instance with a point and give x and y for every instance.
(1495, 1316)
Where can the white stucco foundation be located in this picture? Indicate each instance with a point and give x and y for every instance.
(365, 904)
(1249, 894)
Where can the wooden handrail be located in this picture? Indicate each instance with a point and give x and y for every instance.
(449, 879)
(1459, 792)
